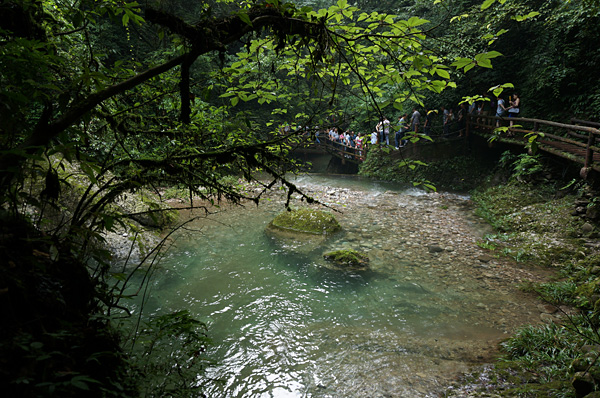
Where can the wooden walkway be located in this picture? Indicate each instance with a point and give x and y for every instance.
(575, 142)
(344, 152)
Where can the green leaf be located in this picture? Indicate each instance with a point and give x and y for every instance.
(497, 90)
(88, 171)
(443, 73)
(493, 54)
(120, 276)
(78, 383)
(81, 382)
(245, 18)
(109, 222)
(415, 21)
(521, 18)
(486, 4)
(430, 186)
(462, 63)
(459, 17)
(485, 63)
(483, 59)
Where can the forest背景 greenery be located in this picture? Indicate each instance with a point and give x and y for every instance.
(456, 173)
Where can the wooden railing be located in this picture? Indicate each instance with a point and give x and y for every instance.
(353, 154)
(575, 142)
(570, 141)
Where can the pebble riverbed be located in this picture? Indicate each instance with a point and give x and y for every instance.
(428, 242)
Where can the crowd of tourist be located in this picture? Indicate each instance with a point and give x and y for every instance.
(348, 139)
(427, 121)
(397, 134)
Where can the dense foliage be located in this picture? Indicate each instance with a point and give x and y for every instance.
(548, 48)
(100, 100)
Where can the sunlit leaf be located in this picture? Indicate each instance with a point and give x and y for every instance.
(486, 4)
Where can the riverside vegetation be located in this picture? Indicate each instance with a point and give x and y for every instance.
(539, 219)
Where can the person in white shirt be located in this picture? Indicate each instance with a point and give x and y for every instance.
(415, 120)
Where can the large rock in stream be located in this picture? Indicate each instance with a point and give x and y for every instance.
(347, 260)
(302, 230)
(304, 221)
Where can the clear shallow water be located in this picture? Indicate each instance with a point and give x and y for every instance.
(284, 325)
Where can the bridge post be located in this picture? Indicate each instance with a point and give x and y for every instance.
(589, 154)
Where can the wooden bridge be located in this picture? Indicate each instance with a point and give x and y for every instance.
(575, 142)
(342, 151)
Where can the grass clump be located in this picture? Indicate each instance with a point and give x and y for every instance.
(550, 349)
(535, 223)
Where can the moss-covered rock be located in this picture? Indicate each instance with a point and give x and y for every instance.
(583, 383)
(588, 293)
(147, 209)
(348, 259)
(456, 173)
(306, 221)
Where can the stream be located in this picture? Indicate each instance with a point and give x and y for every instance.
(433, 305)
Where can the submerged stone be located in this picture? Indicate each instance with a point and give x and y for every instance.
(306, 221)
(348, 259)
(435, 249)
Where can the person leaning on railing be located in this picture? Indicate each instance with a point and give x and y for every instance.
(402, 127)
(514, 108)
(500, 110)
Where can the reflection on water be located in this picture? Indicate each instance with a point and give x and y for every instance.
(285, 326)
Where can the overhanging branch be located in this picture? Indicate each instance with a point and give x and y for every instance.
(44, 132)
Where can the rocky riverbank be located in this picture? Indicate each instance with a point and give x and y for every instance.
(540, 235)
(544, 217)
